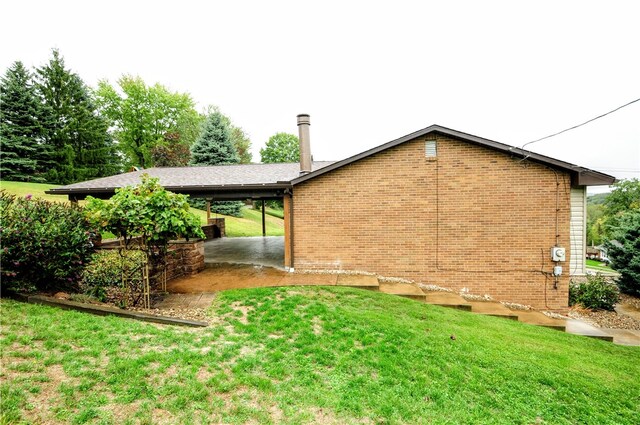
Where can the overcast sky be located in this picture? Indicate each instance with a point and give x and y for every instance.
(367, 72)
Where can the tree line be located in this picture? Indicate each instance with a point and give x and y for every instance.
(54, 128)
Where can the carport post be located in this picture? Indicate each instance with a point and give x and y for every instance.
(264, 228)
(208, 210)
(288, 260)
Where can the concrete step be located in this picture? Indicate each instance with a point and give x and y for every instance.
(490, 308)
(358, 281)
(406, 290)
(624, 336)
(536, 318)
(447, 299)
(578, 327)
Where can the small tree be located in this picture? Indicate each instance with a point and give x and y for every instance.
(281, 147)
(146, 217)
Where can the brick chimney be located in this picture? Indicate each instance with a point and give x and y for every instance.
(305, 144)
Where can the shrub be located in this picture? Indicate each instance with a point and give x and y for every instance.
(232, 208)
(597, 293)
(44, 244)
(102, 278)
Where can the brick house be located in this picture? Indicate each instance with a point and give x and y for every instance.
(437, 206)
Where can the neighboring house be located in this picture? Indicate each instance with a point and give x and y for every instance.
(437, 206)
(597, 253)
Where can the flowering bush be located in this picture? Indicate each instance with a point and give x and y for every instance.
(44, 244)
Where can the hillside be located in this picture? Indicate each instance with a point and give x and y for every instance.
(310, 355)
(597, 199)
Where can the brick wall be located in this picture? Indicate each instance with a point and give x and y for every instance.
(215, 229)
(471, 218)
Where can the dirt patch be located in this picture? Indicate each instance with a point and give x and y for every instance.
(244, 309)
(220, 277)
(317, 325)
(203, 374)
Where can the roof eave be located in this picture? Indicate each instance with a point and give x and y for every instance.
(81, 193)
(584, 176)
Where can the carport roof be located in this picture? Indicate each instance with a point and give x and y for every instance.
(241, 179)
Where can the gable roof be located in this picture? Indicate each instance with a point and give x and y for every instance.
(583, 176)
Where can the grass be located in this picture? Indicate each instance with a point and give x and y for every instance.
(310, 355)
(599, 265)
(250, 224)
(34, 189)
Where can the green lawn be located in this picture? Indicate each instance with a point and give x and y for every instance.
(310, 355)
(599, 265)
(34, 189)
(250, 224)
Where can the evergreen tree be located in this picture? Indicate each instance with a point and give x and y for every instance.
(20, 130)
(214, 147)
(76, 133)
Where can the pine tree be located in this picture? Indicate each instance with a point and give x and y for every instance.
(20, 131)
(214, 147)
(74, 131)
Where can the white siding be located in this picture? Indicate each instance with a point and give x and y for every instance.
(578, 235)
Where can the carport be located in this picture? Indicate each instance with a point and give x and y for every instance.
(238, 182)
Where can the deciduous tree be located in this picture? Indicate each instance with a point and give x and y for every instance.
(142, 115)
(281, 147)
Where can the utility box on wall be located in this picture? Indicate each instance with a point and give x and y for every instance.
(558, 254)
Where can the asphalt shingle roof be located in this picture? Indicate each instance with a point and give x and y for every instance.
(219, 176)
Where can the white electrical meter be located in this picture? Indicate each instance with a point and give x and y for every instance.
(558, 254)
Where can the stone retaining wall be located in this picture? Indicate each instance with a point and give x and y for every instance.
(184, 258)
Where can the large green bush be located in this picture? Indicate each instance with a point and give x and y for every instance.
(44, 244)
(597, 293)
(623, 248)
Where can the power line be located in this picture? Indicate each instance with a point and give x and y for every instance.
(580, 125)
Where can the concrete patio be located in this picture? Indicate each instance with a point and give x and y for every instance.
(263, 251)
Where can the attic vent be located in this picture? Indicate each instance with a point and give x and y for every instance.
(430, 149)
